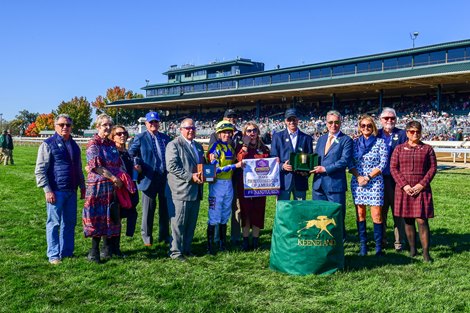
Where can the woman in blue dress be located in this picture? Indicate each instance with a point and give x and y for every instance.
(367, 185)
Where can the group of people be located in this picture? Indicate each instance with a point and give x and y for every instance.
(6, 148)
(388, 166)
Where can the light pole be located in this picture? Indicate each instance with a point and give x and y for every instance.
(413, 37)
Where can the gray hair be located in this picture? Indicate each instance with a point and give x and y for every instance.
(183, 122)
(388, 110)
(335, 113)
(63, 115)
(102, 117)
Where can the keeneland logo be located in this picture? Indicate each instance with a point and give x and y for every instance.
(321, 222)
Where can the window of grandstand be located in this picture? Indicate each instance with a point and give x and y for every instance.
(200, 73)
(228, 84)
(173, 90)
(390, 64)
(262, 80)
(375, 66)
(347, 69)
(437, 57)
(199, 87)
(421, 59)
(187, 75)
(362, 67)
(302, 75)
(405, 61)
(188, 88)
(320, 72)
(214, 86)
(280, 78)
(456, 55)
(246, 82)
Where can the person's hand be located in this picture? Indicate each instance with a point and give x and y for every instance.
(138, 168)
(362, 181)
(82, 193)
(318, 169)
(277, 160)
(409, 191)
(212, 157)
(286, 166)
(246, 140)
(117, 182)
(239, 164)
(417, 189)
(303, 173)
(197, 178)
(50, 197)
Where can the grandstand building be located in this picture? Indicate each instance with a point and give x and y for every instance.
(366, 83)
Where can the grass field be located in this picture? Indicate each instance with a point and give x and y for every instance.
(148, 281)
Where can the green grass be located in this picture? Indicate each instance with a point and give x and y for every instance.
(148, 281)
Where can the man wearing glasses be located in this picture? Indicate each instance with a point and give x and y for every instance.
(290, 140)
(334, 151)
(149, 149)
(59, 173)
(392, 136)
(185, 188)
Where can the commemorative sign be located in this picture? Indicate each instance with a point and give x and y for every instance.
(208, 172)
(261, 177)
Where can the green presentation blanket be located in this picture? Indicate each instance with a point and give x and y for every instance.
(307, 237)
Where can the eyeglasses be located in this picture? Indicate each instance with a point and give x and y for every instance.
(366, 126)
(61, 125)
(412, 132)
(334, 122)
(292, 119)
(389, 118)
(122, 133)
(154, 122)
(188, 128)
(253, 130)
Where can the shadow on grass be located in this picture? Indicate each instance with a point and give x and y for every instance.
(448, 243)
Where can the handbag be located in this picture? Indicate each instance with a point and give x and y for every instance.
(114, 208)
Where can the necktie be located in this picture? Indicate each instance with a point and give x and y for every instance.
(328, 143)
(194, 151)
(161, 145)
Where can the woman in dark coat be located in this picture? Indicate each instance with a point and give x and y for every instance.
(413, 166)
(252, 209)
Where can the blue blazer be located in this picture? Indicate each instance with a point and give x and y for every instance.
(142, 148)
(335, 162)
(398, 137)
(281, 147)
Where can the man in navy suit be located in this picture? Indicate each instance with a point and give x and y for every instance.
(392, 136)
(283, 143)
(149, 149)
(334, 154)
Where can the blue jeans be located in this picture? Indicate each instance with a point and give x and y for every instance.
(60, 225)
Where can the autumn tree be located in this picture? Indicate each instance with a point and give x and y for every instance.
(121, 116)
(45, 122)
(31, 130)
(79, 109)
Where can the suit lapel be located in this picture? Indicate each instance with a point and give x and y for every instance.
(187, 150)
(288, 140)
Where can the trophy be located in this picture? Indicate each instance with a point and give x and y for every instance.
(208, 172)
(302, 161)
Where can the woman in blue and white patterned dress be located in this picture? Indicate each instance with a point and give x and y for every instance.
(370, 157)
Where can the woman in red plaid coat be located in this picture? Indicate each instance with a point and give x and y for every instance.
(413, 166)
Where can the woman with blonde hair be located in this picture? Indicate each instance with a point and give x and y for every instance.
(370, 157)
(252, 209)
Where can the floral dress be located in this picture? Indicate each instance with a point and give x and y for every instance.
(376, 157)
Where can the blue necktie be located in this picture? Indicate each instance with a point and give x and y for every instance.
(161, 145)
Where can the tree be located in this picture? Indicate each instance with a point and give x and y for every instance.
(79, 109)
(121, 116)
(45, 122)
(23, 120)
(32, 130)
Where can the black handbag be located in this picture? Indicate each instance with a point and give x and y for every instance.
(114, 208)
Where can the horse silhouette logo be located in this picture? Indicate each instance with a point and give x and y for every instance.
(321, 223)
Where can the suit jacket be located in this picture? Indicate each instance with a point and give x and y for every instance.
(398, 137)
(142, 148)
(335, 162)
(281, 147)
(181, 164)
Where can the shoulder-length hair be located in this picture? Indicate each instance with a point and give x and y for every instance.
(369, 119)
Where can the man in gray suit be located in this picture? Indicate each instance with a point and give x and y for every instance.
(184, 194)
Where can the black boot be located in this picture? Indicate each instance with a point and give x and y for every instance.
(210, 239)
(378, 236)
(361, 229)
(106, 252)
(94, 254)
(255, 243)
(222, 237)
(117, 247)
(246, 244)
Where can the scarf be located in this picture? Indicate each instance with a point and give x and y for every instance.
(364, 145)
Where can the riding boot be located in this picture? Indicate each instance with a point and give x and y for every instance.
(361, 229)
(106, 252)
(210, 239)
(94, 254)
(222, 237)
(255, 243)
(378, 236)
(117, 247)
(246, 244)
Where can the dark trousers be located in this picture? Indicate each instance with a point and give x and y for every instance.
(149, 204)
(389, 202)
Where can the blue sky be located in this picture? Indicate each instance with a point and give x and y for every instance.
(52, 51)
